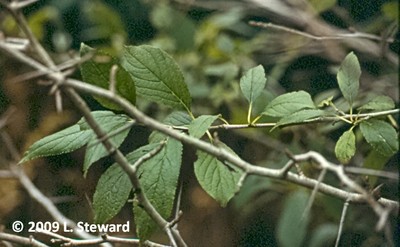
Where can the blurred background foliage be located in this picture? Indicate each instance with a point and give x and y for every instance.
(214, 44)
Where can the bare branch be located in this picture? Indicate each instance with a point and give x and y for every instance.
(342, 218)
(21, 240)
(342, 36)
(104, 238)
(113, 78)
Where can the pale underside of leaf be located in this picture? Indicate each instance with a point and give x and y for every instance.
(379, 103)
(200, 125)
(348, 77)
(299, 117)
(346, 147)
(381, 136)
(289, 103)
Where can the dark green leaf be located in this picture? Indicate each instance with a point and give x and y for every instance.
(381, 136)
(157, 76)
(348, 77)
(217, 178)
(96, 71)
(380, 103)
(346, 147)
(289, 103)
(114, 186)
(200, 125)
(159, 178)
(111, 194)
(111, 124)
(292, 226)
(252, 83)
(300, 116)
(64, 141)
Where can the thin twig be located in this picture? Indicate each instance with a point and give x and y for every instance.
(342, 218)
(355, 35)
(105, 238)
(113, 133)
(147, 156)
(314, 193)
(113, 78)
(372, 172)
(21, 240)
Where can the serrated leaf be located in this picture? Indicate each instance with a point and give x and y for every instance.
(292, 225)
(114, 187)
(379, 103)
(112, 192)
(381, 136)
(348, 77)
(177, 118)
(218, 179)
(199, 126)
(289, 103)
(157, 76)
(110, 123)
(96, 71)
(159, 178)
(299, 117)
(252, 83)
(346, 147)
(64, 141)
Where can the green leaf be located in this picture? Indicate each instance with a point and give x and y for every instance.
(376, 161)
(380, 103)
(112, 192)
(346, 147)
(348, 77)
(96, 71)
(289, 103)
(200, 125)
(292, 226)
(381, 136)
(217, 178)
(252, 83)
(114, 187)
(64, 141)
(176, 118)
(111, 124)
(159, 178)
(157, 76)
(299, 117)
